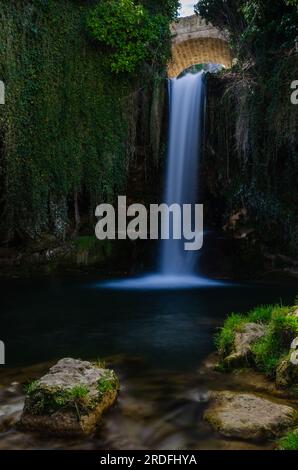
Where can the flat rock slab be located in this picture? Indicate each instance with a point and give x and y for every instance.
(248, 416)
(70, 399)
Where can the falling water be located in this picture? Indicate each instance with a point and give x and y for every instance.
(177, 266)
(187, 96)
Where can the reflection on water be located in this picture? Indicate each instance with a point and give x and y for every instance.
(156, 341)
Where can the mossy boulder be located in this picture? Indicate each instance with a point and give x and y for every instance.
(248, 416)
(70, 399)
(261, 339)
(243, 341)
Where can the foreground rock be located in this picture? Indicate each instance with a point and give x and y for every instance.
(251, 333)
(70, 399)
(247, 416)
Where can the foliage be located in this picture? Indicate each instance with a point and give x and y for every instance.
(256, 27)
(63, 124)
(289, 442)
(168, 8)
(256, 126)
(68, 128)
(132, 34)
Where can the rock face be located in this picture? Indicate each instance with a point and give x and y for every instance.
(247, 416)
(251, 333)
(70, 399)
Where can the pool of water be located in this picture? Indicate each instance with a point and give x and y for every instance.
(155, 339)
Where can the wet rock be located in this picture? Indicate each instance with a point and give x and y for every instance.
(248, 416)
(251, 333)
(70, 399)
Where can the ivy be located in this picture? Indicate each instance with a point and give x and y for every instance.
(66, 126)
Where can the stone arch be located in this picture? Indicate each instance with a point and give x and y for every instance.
(202, 50)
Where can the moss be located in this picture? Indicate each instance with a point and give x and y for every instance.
(107, 384)
(289, 442)
(47, 402)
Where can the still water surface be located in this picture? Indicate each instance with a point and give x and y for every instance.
(156, 341)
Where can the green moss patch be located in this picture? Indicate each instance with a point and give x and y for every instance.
(268, 351)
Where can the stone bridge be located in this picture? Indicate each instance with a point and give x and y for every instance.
(196, 42)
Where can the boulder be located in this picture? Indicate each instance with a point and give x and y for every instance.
(244, 339)
(70, 399)
(286, 373)
(248, 416)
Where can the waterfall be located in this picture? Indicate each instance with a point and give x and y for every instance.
(187, 97)
(177, 266)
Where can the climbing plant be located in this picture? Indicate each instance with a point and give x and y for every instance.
(67, 129)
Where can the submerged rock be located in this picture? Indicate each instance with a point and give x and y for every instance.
(251, 333)
(70, 399)
(248, 416)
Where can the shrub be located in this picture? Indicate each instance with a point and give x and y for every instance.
(132, 34)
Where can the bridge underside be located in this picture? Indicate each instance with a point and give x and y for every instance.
(198, 51)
